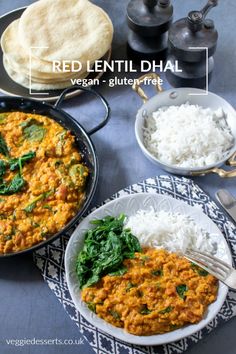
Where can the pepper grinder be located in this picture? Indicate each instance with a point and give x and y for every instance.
(192, 42)
(148, 22)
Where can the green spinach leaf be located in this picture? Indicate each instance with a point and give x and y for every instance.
(145, 310)
(181, 290)
(130, 286)
(3, 117)
(114, 314)
(202, 272)
(2, 168)
(30, 207)
(157, 272)
(91, 306)
(166, 310)
(105, 248)
(15, 186)
(3, 147)
(15, 163)
(120, 271)
(33, 130)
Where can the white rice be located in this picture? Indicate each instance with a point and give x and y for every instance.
(172, 231)
(188, 135)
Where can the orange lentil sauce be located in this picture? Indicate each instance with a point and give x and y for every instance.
(55, 180)
(160, 292)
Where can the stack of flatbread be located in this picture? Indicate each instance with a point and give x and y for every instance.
(55, 30)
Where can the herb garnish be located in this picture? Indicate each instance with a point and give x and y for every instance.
(166, 310)
(91, 306)
(130, 286)
(121, 271)
(61, 142)
(3, 117)
(181, 290)
(139, 293)
(47, 206)
(114, 314)
(33, 130)
(30, 207)
(144, 259)
(202, 272)
(2, 168)
(145, 310)
(8, 237)
(3, 147)
(15, 185)
(157, 272)
(77, 172)
(14, 163)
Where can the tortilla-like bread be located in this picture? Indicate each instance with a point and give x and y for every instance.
(77, 30)
(19, 58)
(24, 81)
(43, 80)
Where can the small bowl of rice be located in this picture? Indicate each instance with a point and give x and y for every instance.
(187, 132)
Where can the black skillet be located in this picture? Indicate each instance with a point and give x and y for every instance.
(83, 142)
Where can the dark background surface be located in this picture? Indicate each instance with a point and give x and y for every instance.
(28, 309)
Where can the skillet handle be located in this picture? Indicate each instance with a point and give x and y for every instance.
(151, 76)
(105, 120)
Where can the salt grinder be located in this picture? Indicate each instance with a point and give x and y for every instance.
(148, 21)
(192, 42)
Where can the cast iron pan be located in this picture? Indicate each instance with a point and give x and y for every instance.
(83, 142)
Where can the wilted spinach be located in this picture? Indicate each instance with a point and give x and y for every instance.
(145, 310)
(30, 207)
(33, 130)
(120, 271)
(3, 147)
(105, 248)
(114, 314)
(130, 286)
(181, 290)
(14, 163)
(157, 272)
(166, 310)
(91, 306)
(15, 185)
(202, 272)
(3, 117)
(2, 169)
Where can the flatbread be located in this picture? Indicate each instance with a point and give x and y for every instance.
(75, 31)
(46, 81)
(24, 81)
(18, 58)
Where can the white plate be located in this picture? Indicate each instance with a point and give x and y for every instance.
(129, 205)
